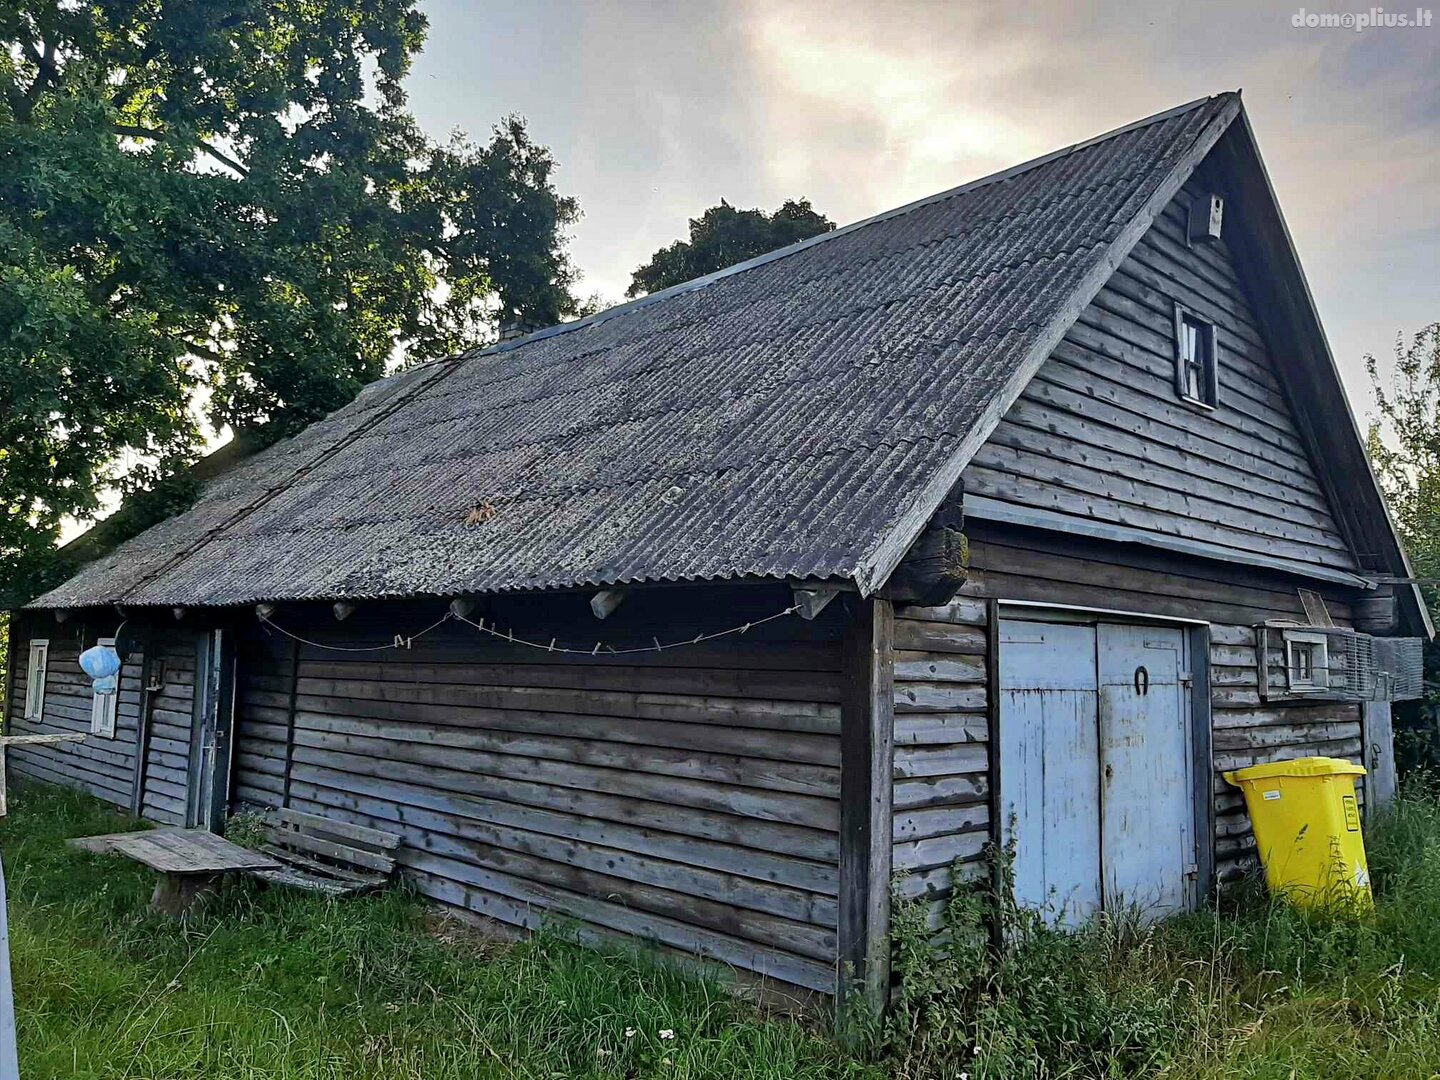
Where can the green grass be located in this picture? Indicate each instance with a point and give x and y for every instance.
(1259, 990)
(277, 984)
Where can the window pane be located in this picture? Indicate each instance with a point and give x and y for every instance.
(1197, 360)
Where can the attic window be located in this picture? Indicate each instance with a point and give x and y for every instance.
(1196, 375)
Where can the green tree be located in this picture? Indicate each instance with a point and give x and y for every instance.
(1405, 449)
(723, 236)
(224, 212)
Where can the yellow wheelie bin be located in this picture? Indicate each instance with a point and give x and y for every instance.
(1307, 829)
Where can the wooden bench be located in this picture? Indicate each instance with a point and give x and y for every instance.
(189, 862)
(323, 855)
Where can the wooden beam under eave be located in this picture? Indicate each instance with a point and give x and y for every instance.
(867, 743)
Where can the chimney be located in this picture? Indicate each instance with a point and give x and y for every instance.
(513, 329)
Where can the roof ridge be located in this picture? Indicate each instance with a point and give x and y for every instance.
(844, 230)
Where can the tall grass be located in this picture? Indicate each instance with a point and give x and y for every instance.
(1258, 989)
(275, 984)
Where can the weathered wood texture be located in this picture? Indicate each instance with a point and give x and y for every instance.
(867, 720)
(171, 727)
(98, 765)
(106, 767)
(1100, 433)
(942, 744)
(1019, 564)
(1011, 563)
(688, 797)
(1249, 731)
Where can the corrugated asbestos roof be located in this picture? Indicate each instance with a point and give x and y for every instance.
(785, 418)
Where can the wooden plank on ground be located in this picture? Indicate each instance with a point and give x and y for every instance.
(178, 851)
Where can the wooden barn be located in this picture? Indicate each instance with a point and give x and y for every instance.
(1016, 513)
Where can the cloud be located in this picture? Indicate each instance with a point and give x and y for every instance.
(657, 111)
(867, 106)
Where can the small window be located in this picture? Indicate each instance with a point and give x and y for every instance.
(106, 702)
(1307, 661)
(35, 679)
(1196, 375)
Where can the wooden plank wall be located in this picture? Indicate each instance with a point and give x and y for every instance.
(172, 707)
(1026, 564)
(104, 767)
(1101, 434)
(687, 797)
(1249, 731)
(941, 809)
(1012, 563)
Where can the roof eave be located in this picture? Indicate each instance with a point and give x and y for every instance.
(1346, 437)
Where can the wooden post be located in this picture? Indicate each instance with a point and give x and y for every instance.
(867, 742)
(1202, 724)
(1377, 753)
(142, 724)
(290, 721)
(9, 1059)
(993, 776)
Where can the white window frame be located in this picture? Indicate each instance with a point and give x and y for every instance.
(1319, 679)
(104, 707)
(1208, 396)
(35, 671)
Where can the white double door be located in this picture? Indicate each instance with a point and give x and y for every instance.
(1096, 767)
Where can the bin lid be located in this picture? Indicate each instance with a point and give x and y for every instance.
(1305, 766)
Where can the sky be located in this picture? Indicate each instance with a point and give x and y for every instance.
(657, 110)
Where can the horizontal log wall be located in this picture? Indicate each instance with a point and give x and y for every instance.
(1047, 567)
(104, 767)
(942, 744)
(687, 797)
(1247, 730)
(1022, 564)
(1102, 435)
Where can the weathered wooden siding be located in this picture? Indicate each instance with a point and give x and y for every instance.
(1011, 563)
(1101, 434)
(689, 797)
(1248, 731)
(172, 717)
(1031, 564)
(942, 744)
(104, 767)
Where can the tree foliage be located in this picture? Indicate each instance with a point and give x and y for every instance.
(723, 236)
(1405, 449)
(224, 212)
